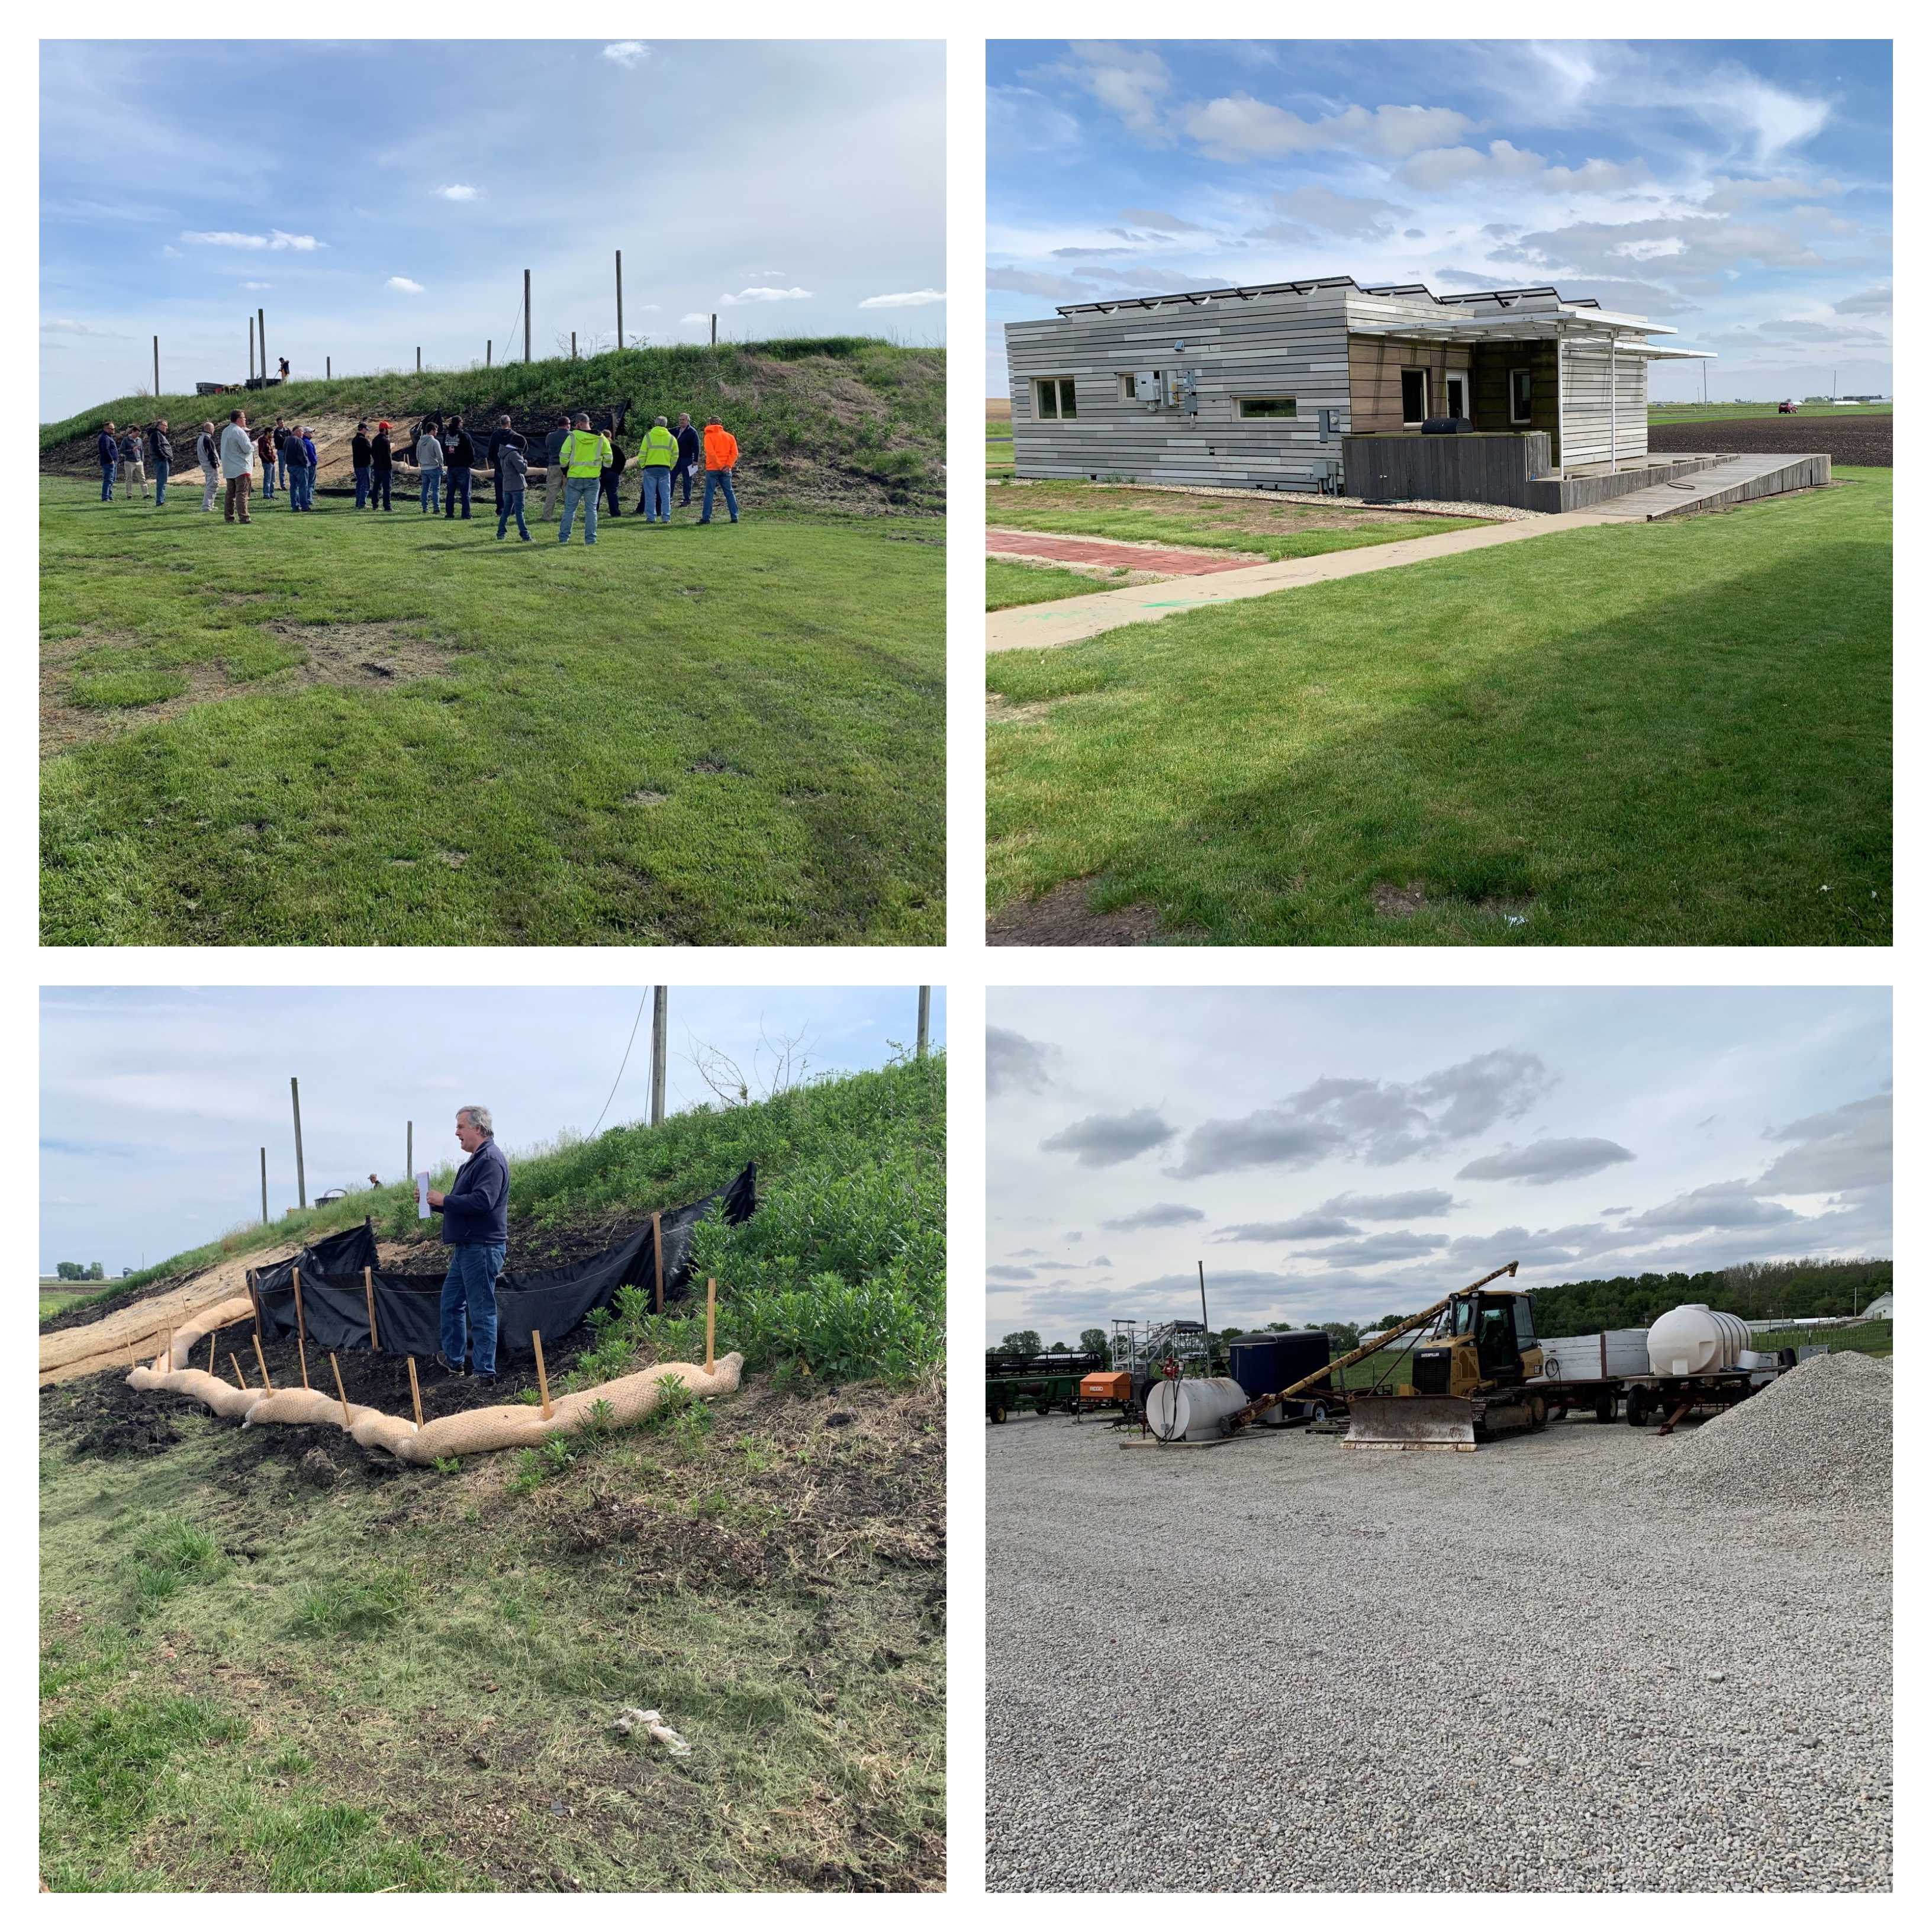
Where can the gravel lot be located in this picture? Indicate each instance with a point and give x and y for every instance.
(1559, 1664)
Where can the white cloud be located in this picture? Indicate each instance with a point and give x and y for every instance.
(457, 191)
(258, 285)
(1238, 127)
(1126, 81)
(168, 248)
(763, 295)
(627, 53)
(1504, 161)
(1364, 216)
(403, 286)
(1874, 301)
(912, 298)
(230, 237)
(684, 320)
(61, 325)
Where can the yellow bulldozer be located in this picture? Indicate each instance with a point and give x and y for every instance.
(1473, 1364)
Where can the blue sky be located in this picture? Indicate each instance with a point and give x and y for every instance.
(1342, 1154)
(426, 177)
(154, 1100)
(1739, 192)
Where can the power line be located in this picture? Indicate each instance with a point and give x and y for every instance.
(625, 1061)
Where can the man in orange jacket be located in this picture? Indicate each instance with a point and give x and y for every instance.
(721, 458)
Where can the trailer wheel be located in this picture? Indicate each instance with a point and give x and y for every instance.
(996, 1410)
(1607, 1406)
(1539, 1412)
(1318, 1412)
(1636, 1408)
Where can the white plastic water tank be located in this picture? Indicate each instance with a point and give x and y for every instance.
(1695, 1340)
(1194, 1409)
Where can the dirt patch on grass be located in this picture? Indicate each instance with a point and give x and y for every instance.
(1255, 513)
(368, 657)
(1865, 440)
(1392, 901)
(1064, 917)
(999, 711)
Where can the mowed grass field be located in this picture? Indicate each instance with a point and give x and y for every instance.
(387, 730)
(1674, 412)
(1669, 734)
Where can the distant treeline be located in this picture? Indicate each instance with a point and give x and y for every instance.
(1756, 1291)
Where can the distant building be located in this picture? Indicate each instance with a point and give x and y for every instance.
(1879, 1311)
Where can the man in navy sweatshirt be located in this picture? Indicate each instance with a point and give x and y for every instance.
(476, 1230)
(107, 446)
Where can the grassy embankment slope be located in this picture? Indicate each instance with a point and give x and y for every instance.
(373, 729)
(1676, 733)
(260, 1674)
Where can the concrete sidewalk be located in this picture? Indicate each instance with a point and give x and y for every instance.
(1036, 626)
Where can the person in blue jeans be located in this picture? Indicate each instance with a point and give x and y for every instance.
(107, 447)
(476, 1230)
(160, 458)
(513, 471)
(429, 466)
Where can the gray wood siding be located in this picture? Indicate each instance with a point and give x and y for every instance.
(1270, 346)
(1586, 405)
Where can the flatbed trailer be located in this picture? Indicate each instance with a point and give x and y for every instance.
(1040, 1383)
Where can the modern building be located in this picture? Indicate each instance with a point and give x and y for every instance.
(1264, 388)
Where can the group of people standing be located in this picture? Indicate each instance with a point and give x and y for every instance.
(581, 465)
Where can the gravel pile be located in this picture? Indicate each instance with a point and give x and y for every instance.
(1820, 1434)
(1277, 1664)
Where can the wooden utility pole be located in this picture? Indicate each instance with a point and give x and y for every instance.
(265, 1187)
(409, 1150)
(714, 332)
(262, 340)
(487, 346)
(418, 358)
(295, 1100)
(924, 1018)
(620, 310)
(157, 365)
(660, 1028)
(526, 315)
(573, 345)
(328, 369)
(1200, 1268)
(251, 349)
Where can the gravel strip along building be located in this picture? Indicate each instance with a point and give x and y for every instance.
(1563, 1663)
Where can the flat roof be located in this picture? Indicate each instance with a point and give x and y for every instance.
(1247, 291)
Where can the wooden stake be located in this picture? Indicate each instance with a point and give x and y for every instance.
(301, 1356)
(543, 1380)
(301, 1326)
(369, 1292)
(415, 1392)
(212, 1334)
(710, 1323)
(261, 1362)
(338, 1367)
(240, 1380)
(657, 1255)
(171, 1351)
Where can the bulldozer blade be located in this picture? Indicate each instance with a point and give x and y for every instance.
(1410, 1422)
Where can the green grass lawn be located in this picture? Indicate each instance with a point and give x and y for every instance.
(717, 736)
(999, 453)
(1265, 526)
(1668, 412)
(1671, 734)
(1008, 583)
(408, 1680)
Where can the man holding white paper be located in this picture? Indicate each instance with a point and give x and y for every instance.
(476, 1230)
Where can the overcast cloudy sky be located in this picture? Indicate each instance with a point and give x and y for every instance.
(1343, 1155)
(155, 1100)
(1740, 193)
(374, 197)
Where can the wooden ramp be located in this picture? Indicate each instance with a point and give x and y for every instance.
(1729, 480)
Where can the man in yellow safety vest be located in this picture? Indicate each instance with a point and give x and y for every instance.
(655, 458)
(584, 455)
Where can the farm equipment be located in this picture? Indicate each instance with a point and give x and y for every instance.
(1042, 1383)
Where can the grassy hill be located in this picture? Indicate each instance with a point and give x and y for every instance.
(390, 729)
(271, 1661)
(827, 422)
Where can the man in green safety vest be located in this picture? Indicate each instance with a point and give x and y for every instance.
(583, 456)
(655, 458)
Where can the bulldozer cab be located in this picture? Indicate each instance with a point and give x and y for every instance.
(1503, 1331)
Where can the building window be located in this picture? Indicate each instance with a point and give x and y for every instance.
(1263, 409)
(1415, 396)
(1519, 395)
(1053, 399)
